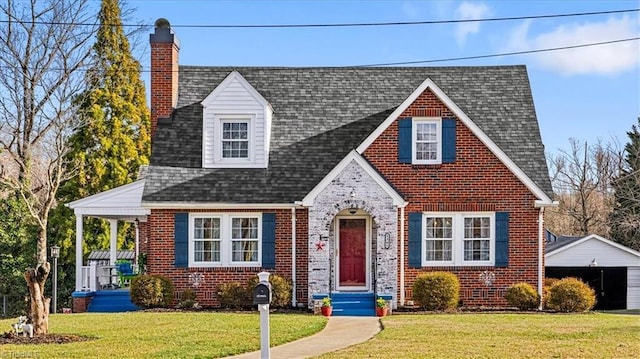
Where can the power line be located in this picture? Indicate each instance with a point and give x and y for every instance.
(363, 24)
(501, 54)
(448, 59)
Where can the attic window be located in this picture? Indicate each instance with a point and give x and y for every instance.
(427, 141)
(235, 139)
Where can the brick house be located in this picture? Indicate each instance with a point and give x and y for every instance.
(348, 181)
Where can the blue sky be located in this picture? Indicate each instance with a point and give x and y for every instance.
(588, 94)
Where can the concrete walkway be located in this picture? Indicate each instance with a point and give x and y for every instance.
(340, 332)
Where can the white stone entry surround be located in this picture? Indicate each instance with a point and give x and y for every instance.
(353, 187)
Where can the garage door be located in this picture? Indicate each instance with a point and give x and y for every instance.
(609, 283)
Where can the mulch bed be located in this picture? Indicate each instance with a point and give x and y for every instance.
(13, 338)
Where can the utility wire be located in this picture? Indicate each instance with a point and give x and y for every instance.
(501, 54)
(443, 59)
(363, 24)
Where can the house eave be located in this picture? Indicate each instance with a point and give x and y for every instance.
(214, 205)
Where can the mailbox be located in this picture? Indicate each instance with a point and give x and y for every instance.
(262, 293)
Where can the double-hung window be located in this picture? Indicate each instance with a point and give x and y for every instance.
(225, 240)
(235, 138)
(439, 239)
(477, 238)
(458, 239)
(244, 239)
(206, 240)
(427, 141)
(230, 139)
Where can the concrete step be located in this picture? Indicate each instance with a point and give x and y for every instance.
(112, 301)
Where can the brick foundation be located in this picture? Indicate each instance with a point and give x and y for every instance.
(81, 301)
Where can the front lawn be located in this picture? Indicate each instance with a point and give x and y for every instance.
(215, 335)
(163, 335)
(592, 335)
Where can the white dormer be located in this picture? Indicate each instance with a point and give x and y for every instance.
(236, 126)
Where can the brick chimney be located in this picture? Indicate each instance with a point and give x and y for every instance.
(164, 72)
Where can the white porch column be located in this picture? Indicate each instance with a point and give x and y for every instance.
(113, 245)
(79, 237)
(137, 224)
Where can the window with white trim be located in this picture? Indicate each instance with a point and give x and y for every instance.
(458, 239)
(427, 141)
(223, 239)
(235, 139)
(244, 239)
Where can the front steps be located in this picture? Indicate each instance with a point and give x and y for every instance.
(111, 301)
(354, 304)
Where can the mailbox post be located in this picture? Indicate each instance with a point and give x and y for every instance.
(262, 297)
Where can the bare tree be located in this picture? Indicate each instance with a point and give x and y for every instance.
(44, 48)
(582, 180)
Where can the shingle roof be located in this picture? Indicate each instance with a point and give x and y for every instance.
(320, 114)
(105, 255)
(559, 242)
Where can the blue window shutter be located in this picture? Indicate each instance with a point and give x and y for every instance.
(415, 240)
(448, 140)
(181, 233)
(404, 140)
(502, 239)
(269, 240)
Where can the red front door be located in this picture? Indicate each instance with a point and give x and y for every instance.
(353, 252)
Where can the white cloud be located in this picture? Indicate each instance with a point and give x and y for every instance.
(602, 59)
(469, 11)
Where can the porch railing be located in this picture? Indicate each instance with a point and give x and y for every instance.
(95, 277)
(86, 279)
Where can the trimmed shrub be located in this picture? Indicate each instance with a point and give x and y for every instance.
(548, 283)
(151, 291)
(436, 291)
(571, 295)
(280, 291)
(232, 295)
(188, 299)
(522, 296)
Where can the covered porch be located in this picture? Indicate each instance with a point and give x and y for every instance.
(121, 204)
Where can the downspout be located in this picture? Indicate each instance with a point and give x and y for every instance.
(401, 257)
(293, 257)
(542, 205)
(540, 254)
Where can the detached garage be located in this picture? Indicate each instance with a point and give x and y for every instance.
(611, 269)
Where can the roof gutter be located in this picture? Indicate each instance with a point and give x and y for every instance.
(214, 205)
(541, 204)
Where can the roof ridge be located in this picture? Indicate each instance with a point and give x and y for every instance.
(377, 68)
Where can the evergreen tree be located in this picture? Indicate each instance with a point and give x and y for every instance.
(625, 218)
(116, 139)
(17, 251)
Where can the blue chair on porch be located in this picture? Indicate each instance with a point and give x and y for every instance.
(125, 273)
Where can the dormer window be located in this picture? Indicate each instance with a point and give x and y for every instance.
(235, 139)
(236, 126)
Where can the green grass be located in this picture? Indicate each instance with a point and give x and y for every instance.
(163, 335)
(593, 335)
(214, 335)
